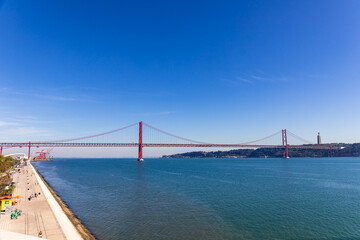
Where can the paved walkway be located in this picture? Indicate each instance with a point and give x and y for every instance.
(36, 214)
(65, 223)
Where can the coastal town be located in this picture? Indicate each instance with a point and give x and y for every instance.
(30, 209)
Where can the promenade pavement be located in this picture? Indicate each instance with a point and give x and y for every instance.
(37, 215)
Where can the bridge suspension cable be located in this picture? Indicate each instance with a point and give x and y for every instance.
(299, 138)
(173, 135)
(96, 135)
(261, 139)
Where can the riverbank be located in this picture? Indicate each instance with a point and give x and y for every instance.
(338, 150)
(74, 220)
(41, 210)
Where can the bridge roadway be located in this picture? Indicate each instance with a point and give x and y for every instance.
(189, 145)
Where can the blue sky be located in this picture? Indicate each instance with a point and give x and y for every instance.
(216, 71)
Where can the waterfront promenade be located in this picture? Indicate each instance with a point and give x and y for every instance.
(41, 213)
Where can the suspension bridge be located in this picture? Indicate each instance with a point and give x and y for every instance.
(91, 141)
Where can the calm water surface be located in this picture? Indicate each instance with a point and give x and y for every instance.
(312, 198)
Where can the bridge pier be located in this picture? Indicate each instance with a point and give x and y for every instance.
(140, 153)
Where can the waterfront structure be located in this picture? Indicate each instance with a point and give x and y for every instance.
(318, 138)
(18, 156)
(44, 213)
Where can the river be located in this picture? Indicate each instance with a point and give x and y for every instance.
(303, 198)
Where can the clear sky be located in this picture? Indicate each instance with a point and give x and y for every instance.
(215, 71)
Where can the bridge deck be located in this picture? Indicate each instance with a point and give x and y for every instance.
(190, 145)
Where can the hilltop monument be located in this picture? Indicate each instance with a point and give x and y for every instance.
(318, 138)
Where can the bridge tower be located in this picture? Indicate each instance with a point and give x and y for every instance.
(29, 151)
(140, 155)
(285, 144)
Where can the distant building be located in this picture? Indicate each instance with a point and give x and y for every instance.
(318, 138)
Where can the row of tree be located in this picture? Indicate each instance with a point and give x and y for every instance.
(6, 184)
(6, 163)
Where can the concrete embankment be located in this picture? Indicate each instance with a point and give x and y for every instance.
(36, 213)
(70, 224)
(42, 211)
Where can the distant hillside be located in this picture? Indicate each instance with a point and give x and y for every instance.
(343, 150)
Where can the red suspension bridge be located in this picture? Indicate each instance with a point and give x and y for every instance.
(186, 143)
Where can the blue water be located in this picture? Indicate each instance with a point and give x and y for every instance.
(310, 198)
